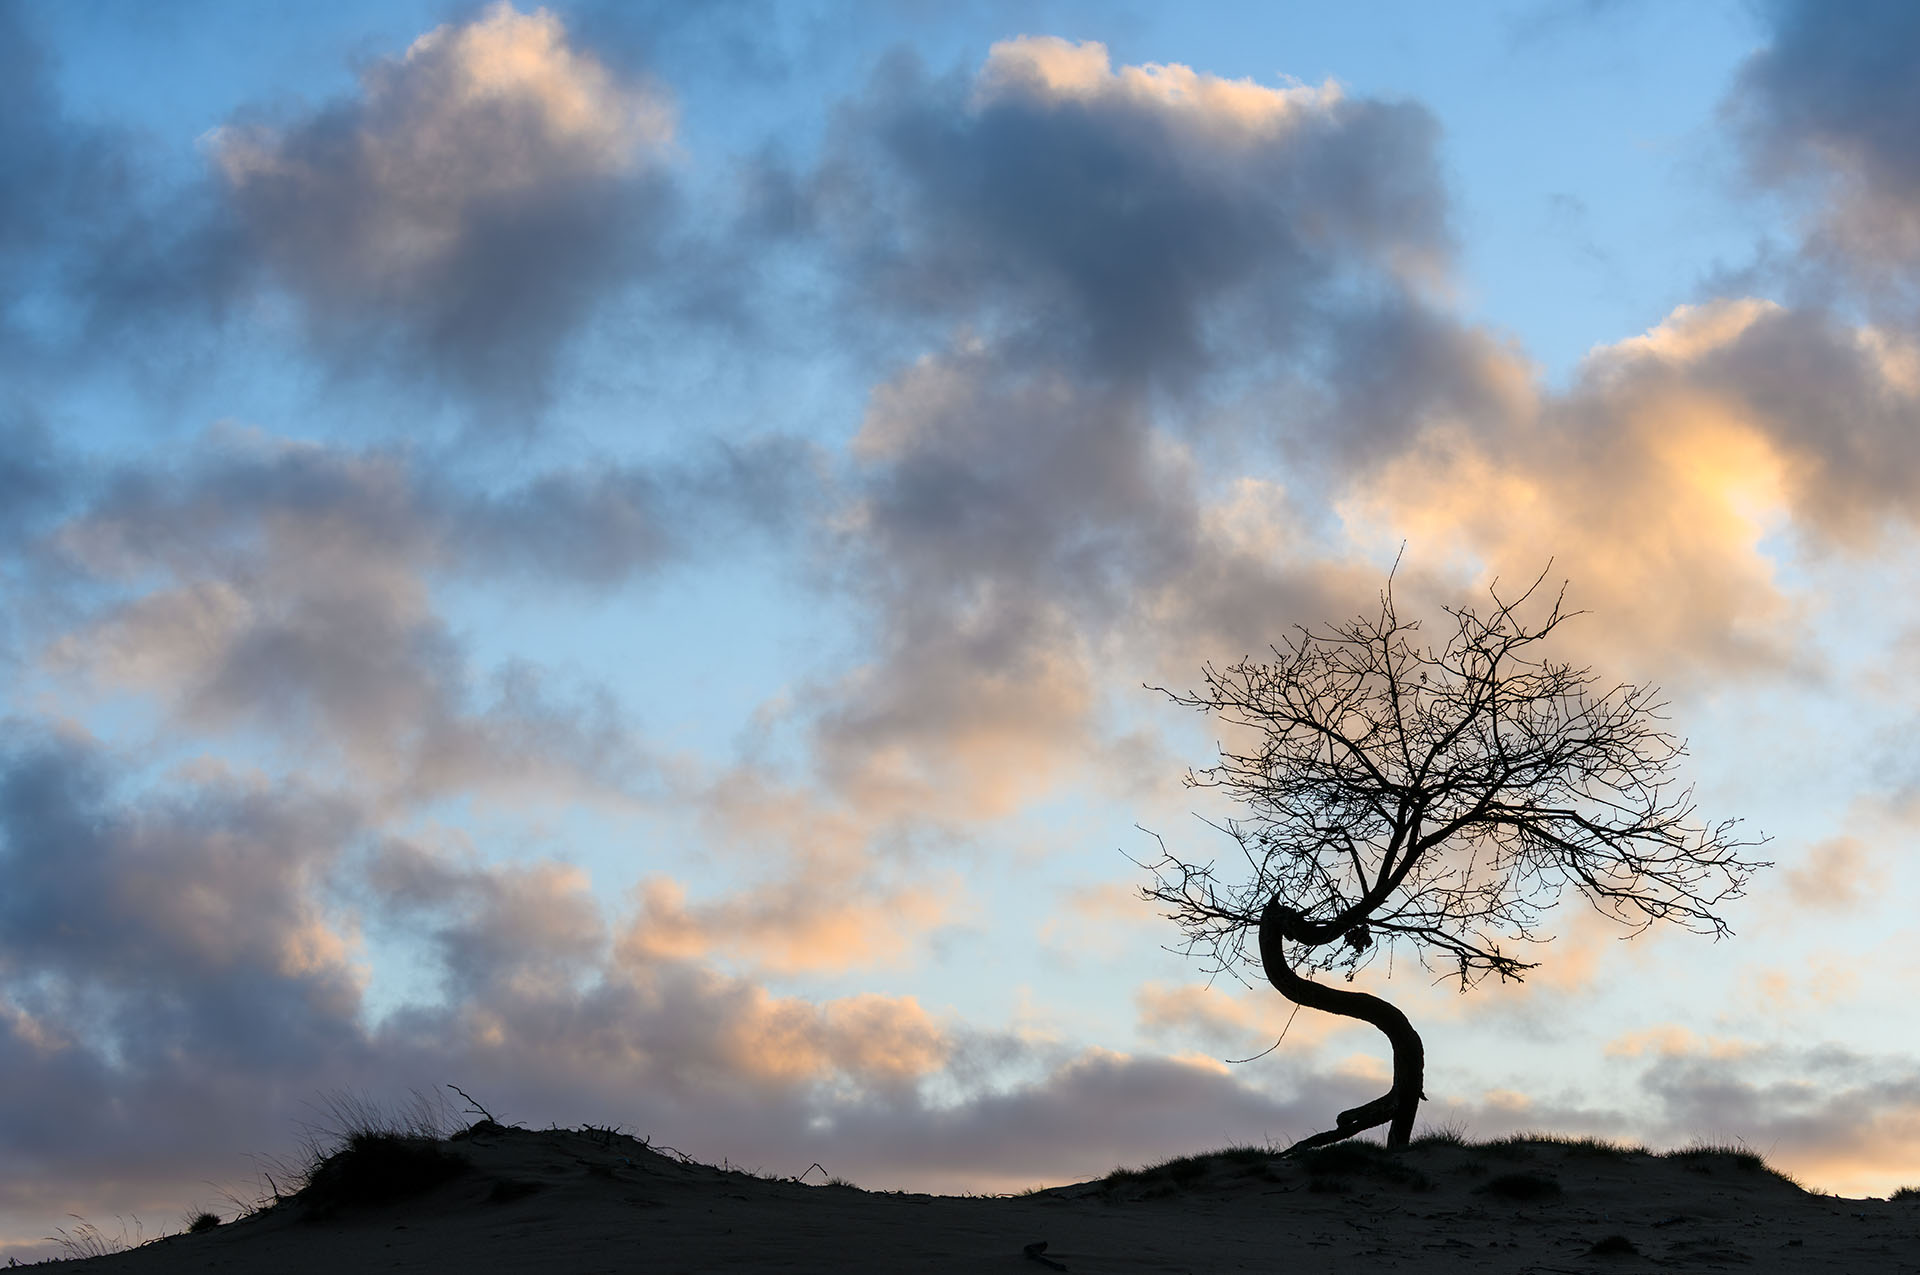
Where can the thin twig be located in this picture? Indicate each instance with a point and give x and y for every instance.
(473, 1106)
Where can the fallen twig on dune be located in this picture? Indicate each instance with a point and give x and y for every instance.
(1037, 1252)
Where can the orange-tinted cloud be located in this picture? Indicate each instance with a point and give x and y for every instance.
(1232, 1021)
(1834, 875)
(786, 927)
(1658, 481)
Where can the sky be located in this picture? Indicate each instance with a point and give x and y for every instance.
(613, 555)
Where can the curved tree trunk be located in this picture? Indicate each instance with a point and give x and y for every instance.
(1398, 1105)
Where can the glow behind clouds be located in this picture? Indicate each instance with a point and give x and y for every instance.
(610, 559)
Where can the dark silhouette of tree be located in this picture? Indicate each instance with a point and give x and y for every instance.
(1400, 795)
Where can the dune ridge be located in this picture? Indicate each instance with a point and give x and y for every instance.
(495, 1198)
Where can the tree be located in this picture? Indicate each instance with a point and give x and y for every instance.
(1399, 796)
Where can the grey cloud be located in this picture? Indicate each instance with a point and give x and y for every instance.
(99, 258)
(467, 210)
(1819, 1111)
(33, 480)
(290, 586)
(602, 526)
(983, 474)
(1395, 365)
(293, 592)
(1833, 100)
(338, 658)
(492, 928)
(1084, 1117)
(169, 1009)
(169, 996)
(207, 883)
(163, 1024)
(453, 224)
(162, 963)
(1110, 260)
(1017, 529)
(597, 524)
(1116, 228)
(63, 187)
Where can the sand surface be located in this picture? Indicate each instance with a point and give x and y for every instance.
(575, 1201)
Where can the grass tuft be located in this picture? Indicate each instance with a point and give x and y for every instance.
(1522, 1145)
(375, 1168)
(1185, 1170)
(1906, 1193)
(1707, 1156)
(202, 1222)
(88, 1240)
(1439, 1138)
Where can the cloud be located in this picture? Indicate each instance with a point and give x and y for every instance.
(168, 961)
(332, 652)
(1131, 222)
(1224, 1021)
(178, 959)
(1830, 104)
(65, 188)
(467, 210)
(1093, 1112)
(545, 996)
(787, 927)
(601, 523)
(1132, 280)
(225, 913)
(177, 983)
(213, 882)
(1027, 540)
(33, 480)
(288, 587)
(517, 931)
(1837, 875)
(1092, 925)
(1667, 483)
(1670, 1040)
(1840, 1120)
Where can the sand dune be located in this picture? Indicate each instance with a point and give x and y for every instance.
(494, 1199)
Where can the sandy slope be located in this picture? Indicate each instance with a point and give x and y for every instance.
(586, 1202)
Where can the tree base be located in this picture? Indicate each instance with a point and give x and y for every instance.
(1355, 1121)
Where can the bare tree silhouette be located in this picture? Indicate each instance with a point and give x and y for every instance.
(1438, 799)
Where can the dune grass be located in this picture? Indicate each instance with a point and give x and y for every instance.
(1705, 1156)
(1337, 1167)
(375, 1168)
(87, 1240)
(1184, 1169)
(358, 1154)
(1330, 1167)
(1577, 1144)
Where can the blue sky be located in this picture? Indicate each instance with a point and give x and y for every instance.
(609, 555)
